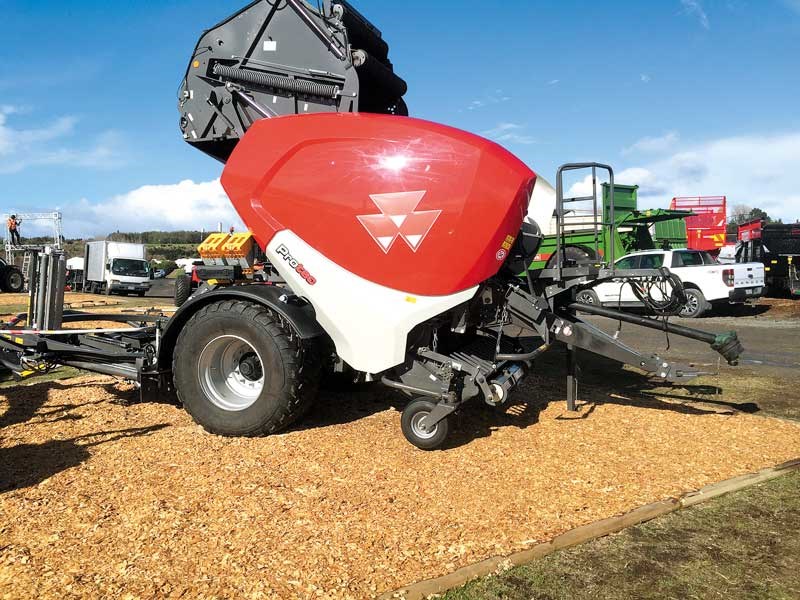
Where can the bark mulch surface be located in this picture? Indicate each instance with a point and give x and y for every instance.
(782, 307)
(98, 499)
(69, 299)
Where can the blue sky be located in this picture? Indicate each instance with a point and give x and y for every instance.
(681, 96)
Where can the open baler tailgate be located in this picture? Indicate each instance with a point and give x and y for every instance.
(284, 58)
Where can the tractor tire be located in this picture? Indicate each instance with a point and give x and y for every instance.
(571, 256)
(696, 305)
(240, 370)
(588, 297)
(183, 290)
(13, 281)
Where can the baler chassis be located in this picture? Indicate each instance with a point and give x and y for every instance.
(464, 354)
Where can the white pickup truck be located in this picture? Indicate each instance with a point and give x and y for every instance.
(707, 282)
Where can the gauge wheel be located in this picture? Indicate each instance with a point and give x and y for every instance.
(412, 423)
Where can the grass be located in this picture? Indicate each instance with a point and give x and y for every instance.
(745, 545)
(7, 380)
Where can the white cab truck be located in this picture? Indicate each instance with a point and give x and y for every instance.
(707, 282)
(114, 267)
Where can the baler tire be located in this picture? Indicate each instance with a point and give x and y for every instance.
(290, 371)
(13, 281)
(183, 290)
(409, 425)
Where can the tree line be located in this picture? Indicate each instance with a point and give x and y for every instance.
(159, 237)
(741, 213)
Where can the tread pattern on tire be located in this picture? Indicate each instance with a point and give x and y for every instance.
(301, 368)
(183, 290)
(6, 278)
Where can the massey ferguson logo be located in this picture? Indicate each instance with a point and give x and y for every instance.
(399, 218)
(296, 265)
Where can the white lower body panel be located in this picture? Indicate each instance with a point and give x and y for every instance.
(368, 323)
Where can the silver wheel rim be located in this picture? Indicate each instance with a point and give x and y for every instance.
(416, 426)
(15, 280)
(586, 298)
(691, 305)
(222, 373)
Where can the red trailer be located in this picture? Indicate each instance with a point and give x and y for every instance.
(706, 229)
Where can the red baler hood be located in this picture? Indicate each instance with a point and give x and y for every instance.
(404, 203)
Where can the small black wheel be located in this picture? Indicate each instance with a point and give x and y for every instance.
(13, 281)
(141, 294)
(414, 430)
(696, 304)
(183, 290)
(588, 297)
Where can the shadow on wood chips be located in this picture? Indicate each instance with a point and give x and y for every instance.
(478, 420)
(30, 464)
(27, 465)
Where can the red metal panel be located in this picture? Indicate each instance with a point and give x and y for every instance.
(408, 204)
(706, 229)
(751, 231)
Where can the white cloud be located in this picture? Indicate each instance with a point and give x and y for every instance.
(509, 133)
(654, 144)
(53, 144)
(754, 170)
(186, 205)
(554, 82)
(645, 78)
(695, 9)
(495, 97)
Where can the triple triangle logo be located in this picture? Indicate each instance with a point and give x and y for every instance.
(399, 219)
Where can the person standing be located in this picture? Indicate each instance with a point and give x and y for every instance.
(13, 230)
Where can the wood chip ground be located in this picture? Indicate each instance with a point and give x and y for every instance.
(102, 500)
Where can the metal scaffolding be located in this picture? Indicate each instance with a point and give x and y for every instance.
(27, 251)
(56, 232)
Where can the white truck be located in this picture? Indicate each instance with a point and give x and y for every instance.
(707, 282)
(115, 267)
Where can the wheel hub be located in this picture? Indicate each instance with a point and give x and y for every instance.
(250, 367)
(231, 373)
(420, 427)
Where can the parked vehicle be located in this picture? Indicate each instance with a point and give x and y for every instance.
(706, 282)
(11, 279)
(118, 268)
(777, 247)
(587, 239)
(707, 226)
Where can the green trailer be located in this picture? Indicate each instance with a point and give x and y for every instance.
(586, 239)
